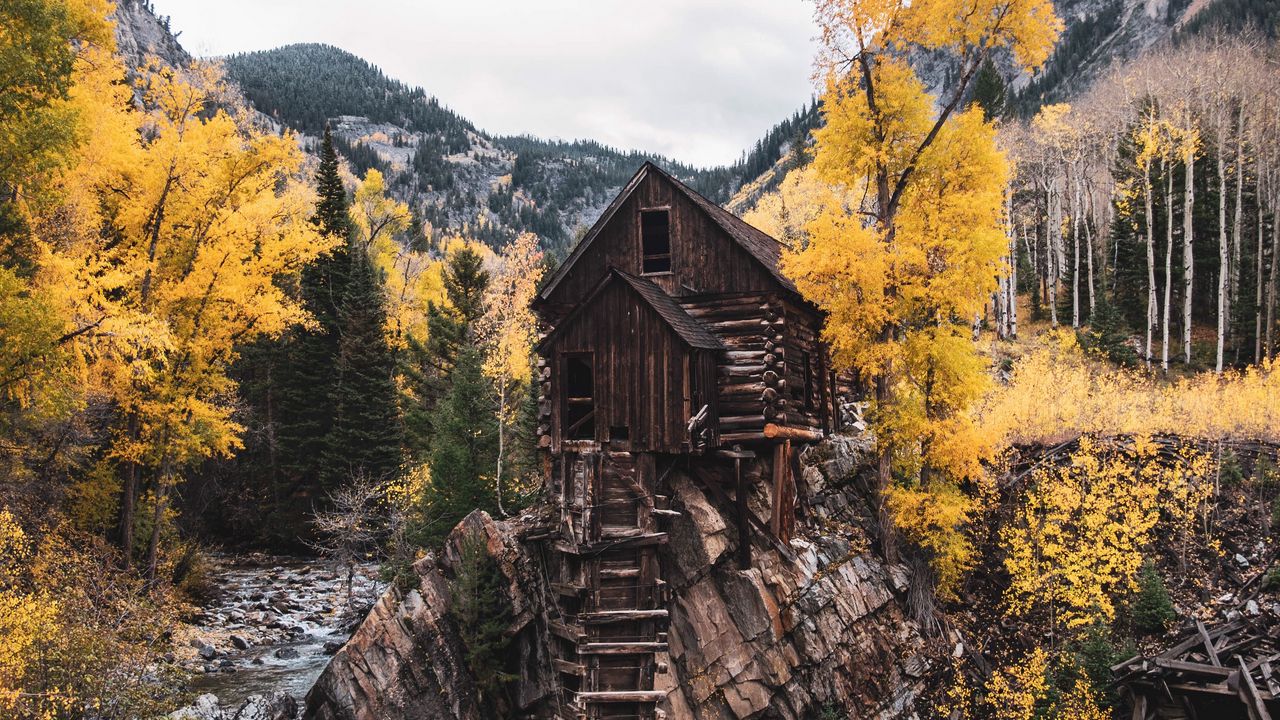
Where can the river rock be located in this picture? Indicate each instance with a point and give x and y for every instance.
(286, 653)
(240, 643)
(207, 652)
(279, 706)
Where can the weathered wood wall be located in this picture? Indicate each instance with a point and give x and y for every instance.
(704, 258)
(646, 378)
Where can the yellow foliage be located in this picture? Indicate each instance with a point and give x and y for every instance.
(508, 327)
(25, 616)
(1080, 527)
(1056, 393)
(1013, 692)
(934, 517)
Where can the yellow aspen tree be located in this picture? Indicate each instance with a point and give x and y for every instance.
(903, 272)
(1079, 532)
(204, 214)
(508, 329)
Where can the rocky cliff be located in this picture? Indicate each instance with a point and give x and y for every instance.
(814, 628)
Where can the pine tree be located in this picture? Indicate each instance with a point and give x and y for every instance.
(463, 450)
(366, 435)
(989, 91)
(308, 373)
(428, 364)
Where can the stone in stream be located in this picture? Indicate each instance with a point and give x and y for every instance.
(332, 646)
(207, 651)
(287, 653)
(240, 643)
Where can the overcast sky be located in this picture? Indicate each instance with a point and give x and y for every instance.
(696, 80)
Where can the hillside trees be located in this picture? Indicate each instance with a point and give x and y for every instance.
(927, 241)
(508, 329)
(1174, 149)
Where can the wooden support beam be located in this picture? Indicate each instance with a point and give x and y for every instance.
(744, 527)
(604, 617)
(623, 696)
(774, 431)
(622, 648)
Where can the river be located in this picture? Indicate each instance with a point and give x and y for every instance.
(272, 626)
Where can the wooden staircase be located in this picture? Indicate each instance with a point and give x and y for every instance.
(612, 600)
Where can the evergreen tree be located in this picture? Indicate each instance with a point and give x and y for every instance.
(308, 374)
(464, 448)
(449, 328)
(483, 612)
(989, 91)
(366, 435)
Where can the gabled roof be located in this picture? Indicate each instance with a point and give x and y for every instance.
(766, 250)
(692, 332)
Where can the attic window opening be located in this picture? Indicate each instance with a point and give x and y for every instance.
(655, 241)
(579, 397)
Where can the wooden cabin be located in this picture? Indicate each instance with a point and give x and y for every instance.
(670, 336)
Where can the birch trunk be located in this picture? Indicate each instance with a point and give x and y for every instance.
(1152, 309)
(1053, 239)
(1224, 249)
(1088, 246)
(1168, 265)
(1188, 250)
(1075, 245)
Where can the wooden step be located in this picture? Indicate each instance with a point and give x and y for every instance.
(666, 513)
(630, 572)
(572, 633)
(568, 668)
(621, 648)
(604, 617)
(622, 696)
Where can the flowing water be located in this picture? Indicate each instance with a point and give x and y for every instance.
(274, 626)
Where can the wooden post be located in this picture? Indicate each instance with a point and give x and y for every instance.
(744, 529)
(775, 511)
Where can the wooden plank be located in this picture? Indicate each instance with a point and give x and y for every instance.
(568, 668)
(1208, 644)
(605, 617)
(1189, 668)
(621, 648)
(623, 696)
(1249, 694)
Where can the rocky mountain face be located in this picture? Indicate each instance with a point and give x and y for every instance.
(821, 629)
(456, 176)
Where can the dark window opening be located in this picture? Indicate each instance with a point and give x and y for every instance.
(655, 241)
(579, 398)
(619, 433)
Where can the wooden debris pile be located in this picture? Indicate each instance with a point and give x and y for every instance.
(1226, 671)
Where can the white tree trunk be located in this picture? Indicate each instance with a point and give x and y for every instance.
(1168, 265)
(1088, 244)
(1224, 249)
(1075, 244)
(1152, 309)
(1188, 250)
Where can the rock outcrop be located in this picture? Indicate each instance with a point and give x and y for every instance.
(817, 627)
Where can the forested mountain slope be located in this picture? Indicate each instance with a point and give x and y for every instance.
(460, 178)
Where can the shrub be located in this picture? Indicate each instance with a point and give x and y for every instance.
(1152, 607)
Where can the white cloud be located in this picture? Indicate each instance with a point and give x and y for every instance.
(697, 80)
